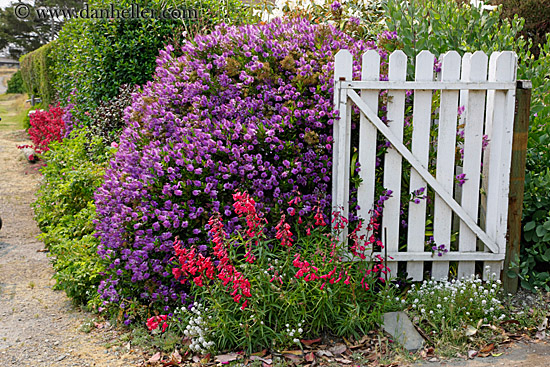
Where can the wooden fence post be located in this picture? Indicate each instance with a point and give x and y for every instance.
(517, 183)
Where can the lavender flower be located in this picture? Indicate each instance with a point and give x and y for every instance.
(229, 110)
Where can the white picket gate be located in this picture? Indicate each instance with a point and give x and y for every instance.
(486, 88)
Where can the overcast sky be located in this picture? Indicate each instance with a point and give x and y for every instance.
(4, 3)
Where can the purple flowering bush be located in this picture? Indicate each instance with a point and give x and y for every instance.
(242, 108)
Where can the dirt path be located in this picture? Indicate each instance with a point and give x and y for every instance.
(3, 87)
(38, 326)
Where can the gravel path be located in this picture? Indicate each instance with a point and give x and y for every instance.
(38, 326)
(3, 87)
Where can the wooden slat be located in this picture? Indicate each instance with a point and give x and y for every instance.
(500, 110)
(465, 268)
(446, 143)
(405, 153)
(367, 140)
(434, 85)
(450, 256)
(422, 110)
(341, 130)
(392, 159)
(473, 132)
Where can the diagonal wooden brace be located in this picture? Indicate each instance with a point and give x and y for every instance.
(422, 171)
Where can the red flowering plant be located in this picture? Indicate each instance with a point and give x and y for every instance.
(46, 126)
(262, 292)
(154, 322)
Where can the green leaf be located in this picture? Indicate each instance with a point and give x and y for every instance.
(529, 226)
(541, 231)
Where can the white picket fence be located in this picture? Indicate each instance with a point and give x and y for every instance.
(486, 88)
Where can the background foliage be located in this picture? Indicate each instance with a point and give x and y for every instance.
(65, 212)
(15, 84)
(37, 72)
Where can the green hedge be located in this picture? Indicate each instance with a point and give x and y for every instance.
(15, 84)
(95, 57)
(37, 73)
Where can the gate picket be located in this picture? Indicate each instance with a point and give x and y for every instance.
(445, 161)
(392, 159)
(422, 113)
(488, 102)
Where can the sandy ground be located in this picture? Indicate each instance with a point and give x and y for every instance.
(3, 86)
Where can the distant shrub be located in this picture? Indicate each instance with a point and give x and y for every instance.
(95, 57)
(15, 84)
(36, 72)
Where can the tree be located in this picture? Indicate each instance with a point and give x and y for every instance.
(21, 31)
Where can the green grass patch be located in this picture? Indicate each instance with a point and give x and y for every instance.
(13, 110)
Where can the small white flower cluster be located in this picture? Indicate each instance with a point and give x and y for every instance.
(464, 300)
(295, 333)
(197, 330)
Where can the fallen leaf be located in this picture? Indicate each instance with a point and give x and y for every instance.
(470, 330)
(310, 342)
(342, 360)
(487, 348)
(543, 325)
(324, 353)
(260, 353)
(196, 359)
(293, 352)
(310, 357)
(484, 355)
(472, 354)
(492, 327)
(496, 354)
(510, 322)
(226, 358)
(154, 358)
(258, 358)
(338, 349)
(293, 357)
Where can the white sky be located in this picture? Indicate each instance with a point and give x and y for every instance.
(4, 3)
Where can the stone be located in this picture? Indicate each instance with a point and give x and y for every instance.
(398, 325)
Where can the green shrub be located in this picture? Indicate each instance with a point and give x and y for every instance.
(65, 210)
(444, 25)
(95, 57)
(535, 246)
(15, 84)
(452, 312)
(36, 72)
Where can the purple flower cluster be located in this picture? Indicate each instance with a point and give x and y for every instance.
(246, 108)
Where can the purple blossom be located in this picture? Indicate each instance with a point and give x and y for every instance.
(221, 115)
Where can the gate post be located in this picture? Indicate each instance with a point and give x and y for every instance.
(517, 183)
